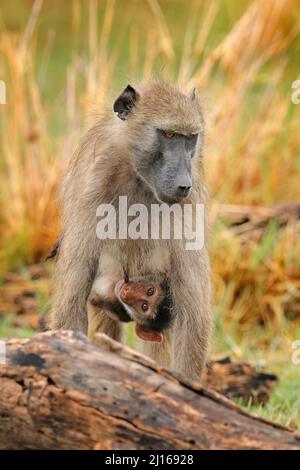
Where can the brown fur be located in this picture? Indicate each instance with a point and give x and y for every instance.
(100, 172)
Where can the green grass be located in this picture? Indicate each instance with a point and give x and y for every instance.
(284, 405)
(271, 353)
(8, 330)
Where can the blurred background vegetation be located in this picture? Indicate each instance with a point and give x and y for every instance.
(63, 61)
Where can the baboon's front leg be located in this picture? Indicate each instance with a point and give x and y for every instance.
(190, 346)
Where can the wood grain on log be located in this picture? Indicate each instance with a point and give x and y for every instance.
(60, 391)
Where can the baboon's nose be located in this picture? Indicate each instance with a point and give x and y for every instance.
(183, 191)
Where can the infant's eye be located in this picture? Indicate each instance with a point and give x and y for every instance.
(144, 306)
(168, 134)
(150, 291)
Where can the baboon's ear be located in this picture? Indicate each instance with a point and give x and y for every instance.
(125, 102)
(193, 94)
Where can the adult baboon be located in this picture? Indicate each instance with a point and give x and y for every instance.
(151, 152)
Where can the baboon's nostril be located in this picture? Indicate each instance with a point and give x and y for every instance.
(183, 190)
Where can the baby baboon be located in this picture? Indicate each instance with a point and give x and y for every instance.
(147, 300)
(150, 152)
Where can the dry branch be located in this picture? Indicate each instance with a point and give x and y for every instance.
(246, 218)
(59, 391)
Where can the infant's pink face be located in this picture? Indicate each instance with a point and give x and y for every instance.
(141, 298)
(141, 295)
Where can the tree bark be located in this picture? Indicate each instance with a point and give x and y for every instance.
(60, 391)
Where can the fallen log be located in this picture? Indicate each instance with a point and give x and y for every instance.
(60, 391)
(239, 380)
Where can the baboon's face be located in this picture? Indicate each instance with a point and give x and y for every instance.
(165, 128)
(149, 303)
(141, 296)
(168, 168)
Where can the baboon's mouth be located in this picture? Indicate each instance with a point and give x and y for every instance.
(171, 199)
(146, 334)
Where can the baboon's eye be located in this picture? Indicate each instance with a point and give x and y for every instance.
(150, 291)
(144, 306)
(191, 136)
(168, 134)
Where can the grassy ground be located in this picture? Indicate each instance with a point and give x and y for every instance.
(63, 61)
